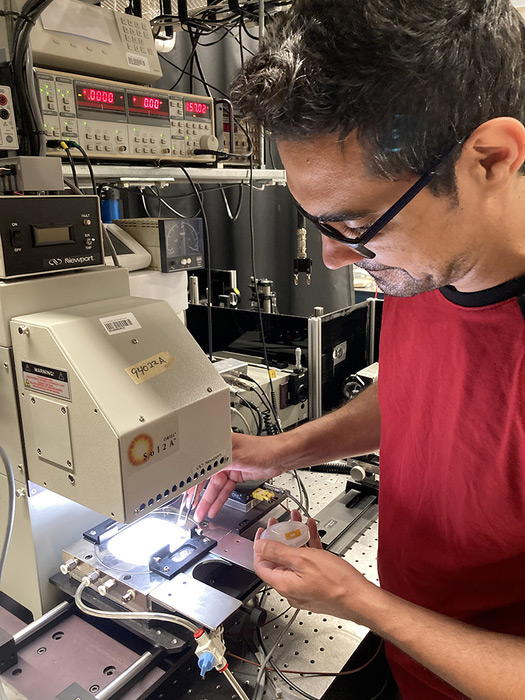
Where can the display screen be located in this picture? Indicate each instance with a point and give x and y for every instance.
(147, 105)
(51, 234)
(100, 98)
(197, 109)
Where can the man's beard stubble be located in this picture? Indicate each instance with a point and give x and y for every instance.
(397, 282)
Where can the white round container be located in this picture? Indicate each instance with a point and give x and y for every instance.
(290, 533)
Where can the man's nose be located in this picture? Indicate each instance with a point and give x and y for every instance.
(336, 255)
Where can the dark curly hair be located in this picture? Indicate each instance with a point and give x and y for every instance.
(410, 77)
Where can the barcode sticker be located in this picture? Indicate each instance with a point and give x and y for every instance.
(136, 61)
(120, 324)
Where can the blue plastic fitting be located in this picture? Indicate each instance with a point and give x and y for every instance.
(206, 662)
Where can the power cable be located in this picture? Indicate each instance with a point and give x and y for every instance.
(207, 256)
(10, 508)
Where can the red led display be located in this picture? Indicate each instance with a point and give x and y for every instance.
(198, 108)
(147, 105)
(99, 98)
(93, 95)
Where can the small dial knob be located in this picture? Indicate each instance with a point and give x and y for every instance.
(211, 143)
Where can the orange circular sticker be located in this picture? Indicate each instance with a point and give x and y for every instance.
(140, 449)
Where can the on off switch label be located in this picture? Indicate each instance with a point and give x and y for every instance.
(46, 380)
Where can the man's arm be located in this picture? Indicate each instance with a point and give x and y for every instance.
(483, 665)
(354, 429)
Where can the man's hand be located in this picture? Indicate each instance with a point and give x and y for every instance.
(309, 577)
(254, 458)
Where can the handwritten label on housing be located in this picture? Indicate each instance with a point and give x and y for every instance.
(151, 367)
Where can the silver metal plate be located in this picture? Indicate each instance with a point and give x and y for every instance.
(235, 549)
(195, 600)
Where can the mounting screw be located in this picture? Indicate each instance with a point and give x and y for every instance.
(128, 596)
(134, 341)
(141, 419)
(39, 451)
(68, 463)
(63, 409)
(23, 330)
(33, 400)
(71, 478)
(209, 390)
(6, 366)
(166, 569)
(20, 493)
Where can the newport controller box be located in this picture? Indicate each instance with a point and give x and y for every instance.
(40, 235)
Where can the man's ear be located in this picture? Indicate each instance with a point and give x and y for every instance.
(497, 149)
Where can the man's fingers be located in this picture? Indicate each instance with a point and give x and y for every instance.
(278, 553)
(295, 516)
(219, 488)
(315, 541)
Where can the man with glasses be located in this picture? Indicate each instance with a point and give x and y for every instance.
(400, 125)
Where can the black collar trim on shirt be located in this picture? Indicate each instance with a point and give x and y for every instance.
(486, 297)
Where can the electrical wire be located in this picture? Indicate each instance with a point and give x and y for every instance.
(195, 42)
(303, 494)
(146, 207)
(109, 243)
(71, 162)
(32, 140)
(72, 186)
(341, 673)
(309, 674)
(232, 217)
(265, 398)
(259, 685)
(255, 412)
(207, 247)
(259, 309)
(237, 413)
(88, 163)
(293, 498)
(185, 72)
(10, 508)
(162, 200)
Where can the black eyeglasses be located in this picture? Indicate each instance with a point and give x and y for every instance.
(357, 243)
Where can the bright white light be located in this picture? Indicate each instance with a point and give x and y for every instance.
(136, 544)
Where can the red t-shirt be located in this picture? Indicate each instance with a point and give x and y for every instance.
(452, 494)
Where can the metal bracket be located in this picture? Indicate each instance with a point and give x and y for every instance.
(74, 692)
(168, 564)
(8, 655)
(103, 531)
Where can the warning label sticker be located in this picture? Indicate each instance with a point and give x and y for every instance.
(46, 380)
